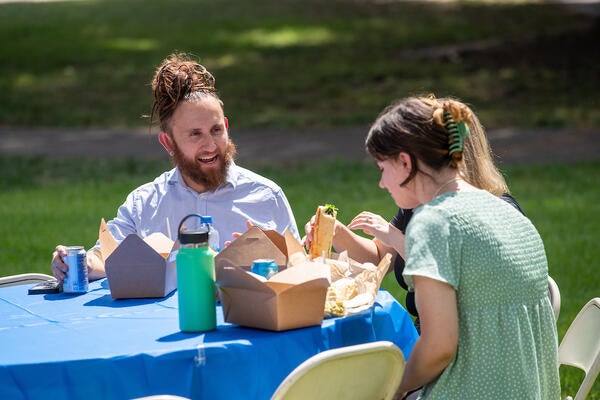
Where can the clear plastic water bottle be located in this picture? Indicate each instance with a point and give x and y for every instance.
(195, 278)
(213, 234)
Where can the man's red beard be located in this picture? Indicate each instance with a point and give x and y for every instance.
(210, 178)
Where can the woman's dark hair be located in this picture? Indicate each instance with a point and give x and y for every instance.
(415, 126)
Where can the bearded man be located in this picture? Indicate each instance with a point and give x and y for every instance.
(205, 179)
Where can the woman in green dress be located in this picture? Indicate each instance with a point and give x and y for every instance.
(477, 265)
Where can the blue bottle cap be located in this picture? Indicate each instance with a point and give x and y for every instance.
(206, 219)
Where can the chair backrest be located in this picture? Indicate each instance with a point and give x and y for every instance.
(580, 347)
(23, 279)
(366, 371)
(554, 295)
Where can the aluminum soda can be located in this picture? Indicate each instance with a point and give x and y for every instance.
(265, 267)
(77, 275)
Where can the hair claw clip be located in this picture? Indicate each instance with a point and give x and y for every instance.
(457, 133)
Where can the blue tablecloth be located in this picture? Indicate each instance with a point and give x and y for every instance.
(60, 346)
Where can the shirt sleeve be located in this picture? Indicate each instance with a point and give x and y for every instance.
(284, 216)
(402, 218)
(127, 218)
(124, 223)
(512, 201)
(400, 221)
(433, 247)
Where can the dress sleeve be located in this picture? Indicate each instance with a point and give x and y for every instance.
(433, 248)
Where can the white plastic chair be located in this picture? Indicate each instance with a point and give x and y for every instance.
(361, 372)
(554, 295)
(580, 347)
(23, 279)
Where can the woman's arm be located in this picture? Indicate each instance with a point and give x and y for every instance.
(388, 238)
(359, 248)
(438, 343)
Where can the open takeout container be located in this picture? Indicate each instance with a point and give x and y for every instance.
(139, 268)
(292, 298)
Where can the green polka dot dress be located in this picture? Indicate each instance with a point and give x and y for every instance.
(495, 260)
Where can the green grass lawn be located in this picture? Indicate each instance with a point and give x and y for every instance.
(46, 202)
(286, 63)
(303, 64)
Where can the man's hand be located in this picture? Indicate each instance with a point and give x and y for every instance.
(94, 264)
(59, 268)
(236, 235)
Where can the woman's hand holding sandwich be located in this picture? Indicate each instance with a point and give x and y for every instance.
(360, 248)
(309, 232)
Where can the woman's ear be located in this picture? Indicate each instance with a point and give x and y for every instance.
(404, 160)
(167, 142)
(226, 122)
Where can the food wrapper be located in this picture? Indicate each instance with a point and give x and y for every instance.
(354, 285)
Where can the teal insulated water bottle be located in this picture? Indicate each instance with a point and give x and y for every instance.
(195, 278)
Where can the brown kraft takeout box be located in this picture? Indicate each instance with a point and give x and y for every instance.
(292, 298)
(136, 267)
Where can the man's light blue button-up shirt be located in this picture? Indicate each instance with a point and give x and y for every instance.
(159, 206)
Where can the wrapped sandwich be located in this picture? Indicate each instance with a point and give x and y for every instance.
(354, 285)
(323, 231)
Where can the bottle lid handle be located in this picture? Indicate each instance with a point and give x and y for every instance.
(196, 236)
